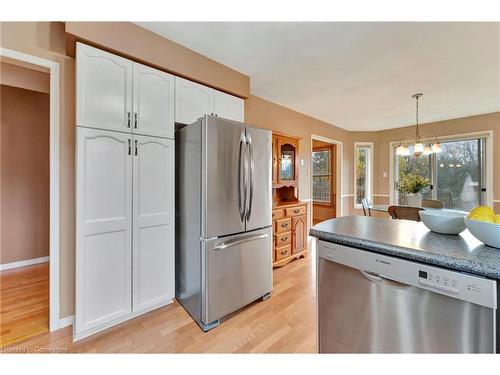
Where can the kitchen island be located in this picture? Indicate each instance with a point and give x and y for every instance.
(393, 286)
(413, 241)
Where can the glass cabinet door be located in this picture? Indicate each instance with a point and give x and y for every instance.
(287, 155)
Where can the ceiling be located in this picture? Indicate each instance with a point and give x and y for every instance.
(355, 75)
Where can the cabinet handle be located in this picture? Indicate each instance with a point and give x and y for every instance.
(284, 225)
(296, 211)
(284, 238)
(283, 252)
(128, 119)
(135, 120)
(135, 142)
(129, 147)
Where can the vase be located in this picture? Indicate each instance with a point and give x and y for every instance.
(414, 200)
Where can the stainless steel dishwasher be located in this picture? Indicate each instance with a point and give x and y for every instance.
(372, 303)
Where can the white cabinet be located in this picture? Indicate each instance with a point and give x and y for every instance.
(124, 227)
(153, 108)
(193, 101)
(229, 106)
(113, 93)
(103, 228)
(103, 89)
(153, 222)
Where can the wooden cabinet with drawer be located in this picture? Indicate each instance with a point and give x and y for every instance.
(290, 233)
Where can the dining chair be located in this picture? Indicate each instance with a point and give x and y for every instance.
(365, 203)
(432, 203)
(405, 212)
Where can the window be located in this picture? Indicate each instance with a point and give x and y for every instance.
(363, 165)
(456, 175)
(322, 176)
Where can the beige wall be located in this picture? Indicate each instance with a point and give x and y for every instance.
(464, 125)
(24, 159)
(19, 76)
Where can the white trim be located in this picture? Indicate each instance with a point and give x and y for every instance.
(347, 195)
(54, 177)
(369, 171)
(487, 134)
(381, 195)
(23, 263)
(66, 322)
(339, 174)
(496, 200)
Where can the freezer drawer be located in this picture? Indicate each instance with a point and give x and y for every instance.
(238, 270)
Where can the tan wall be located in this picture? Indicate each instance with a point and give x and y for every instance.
(29, 79)
(143, 45)
(24, 126)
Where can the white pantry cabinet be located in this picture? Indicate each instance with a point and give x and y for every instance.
(103, 228)
(117, 94)
(193, 101)
(124, 227)
(103, 89)
(153, 222)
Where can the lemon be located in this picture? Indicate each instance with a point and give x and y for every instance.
(481, 211)
(484, 218)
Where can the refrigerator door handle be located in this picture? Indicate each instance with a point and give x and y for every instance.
(238, 241)
(242, 202)
(251, 177)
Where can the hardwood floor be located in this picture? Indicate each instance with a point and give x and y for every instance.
(24, 303)
(285, 323)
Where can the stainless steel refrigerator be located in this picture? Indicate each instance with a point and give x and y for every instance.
(223, 218)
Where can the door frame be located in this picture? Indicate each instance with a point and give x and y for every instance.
(487, 134)
(54, 319)
(339, 174)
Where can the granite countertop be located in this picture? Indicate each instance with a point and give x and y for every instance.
(412, 240)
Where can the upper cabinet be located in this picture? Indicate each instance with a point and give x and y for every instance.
(117, 94)
(193, 101)
(153, 102)
(103, 89)
(285, 161)
(229, 106)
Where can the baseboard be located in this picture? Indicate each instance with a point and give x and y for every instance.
(67, 321)
(23, 263)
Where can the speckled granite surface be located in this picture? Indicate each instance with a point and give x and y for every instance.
(412, 240)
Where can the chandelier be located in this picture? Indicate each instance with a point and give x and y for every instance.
(422, 144)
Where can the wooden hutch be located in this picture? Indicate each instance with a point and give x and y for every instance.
(289, 214)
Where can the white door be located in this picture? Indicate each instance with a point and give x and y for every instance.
(229, 106)
(103, 89)
(153, 102)
(192, 101)
(153, 223)
(103, 229)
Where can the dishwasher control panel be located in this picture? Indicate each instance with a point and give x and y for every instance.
(455, 284)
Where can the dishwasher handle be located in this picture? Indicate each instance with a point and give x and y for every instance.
(378, 278)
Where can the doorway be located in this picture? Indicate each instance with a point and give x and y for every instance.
(324, 180)
(29, 127)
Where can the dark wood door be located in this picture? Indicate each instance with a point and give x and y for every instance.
(299, 234)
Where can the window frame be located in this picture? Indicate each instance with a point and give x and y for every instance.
(369, 172)
(487, 135)
(331, 149)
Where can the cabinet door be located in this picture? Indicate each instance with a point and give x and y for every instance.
(103, 89)
(192, 101)
(299, 234)
(103, 229)
(229, 106)
(153, 102)
(153, 224)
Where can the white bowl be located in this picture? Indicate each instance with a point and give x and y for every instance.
(488, 233)
(443, 220)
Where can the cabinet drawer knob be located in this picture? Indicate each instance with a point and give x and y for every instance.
(284, 225)
(284, 238)
(296, 211)
(283, 252)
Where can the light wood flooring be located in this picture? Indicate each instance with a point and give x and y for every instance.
(24, 303)
(285, 323)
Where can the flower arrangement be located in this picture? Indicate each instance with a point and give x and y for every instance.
(413, 184)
